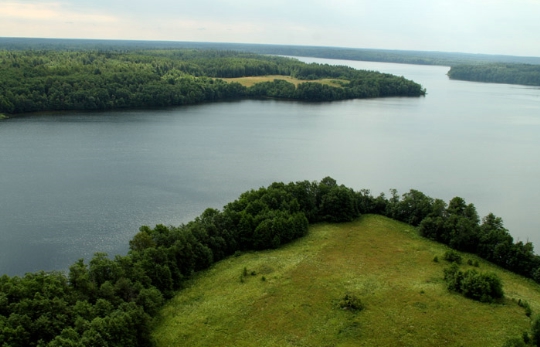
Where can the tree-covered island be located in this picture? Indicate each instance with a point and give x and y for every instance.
(524, 74)
(50, 80)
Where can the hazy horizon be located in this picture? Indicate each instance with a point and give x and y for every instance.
(477, 26)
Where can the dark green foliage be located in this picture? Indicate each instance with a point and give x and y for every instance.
(276, 89)
(526, 337)
(498, 73)
(456, 225)
(351, 302)
(44, 80)
(484, 287)
(436, 259)
(515, 342)
(337, 204)
(535, 331)
(526, 306)
(452, 256)
(382, 55)
(412, 208)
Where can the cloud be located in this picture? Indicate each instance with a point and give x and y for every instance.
(478, 26)
(48, 11)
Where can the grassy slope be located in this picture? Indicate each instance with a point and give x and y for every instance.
(249, 81)
(383, 261)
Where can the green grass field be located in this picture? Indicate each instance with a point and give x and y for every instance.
(249, 81)
(383, 262)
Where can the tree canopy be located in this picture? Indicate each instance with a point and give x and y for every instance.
(525, 74)
(45, 80)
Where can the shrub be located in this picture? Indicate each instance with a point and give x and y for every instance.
(526, 306)
(453, 277)
(484, 287)
(351, 302)
(452, 256)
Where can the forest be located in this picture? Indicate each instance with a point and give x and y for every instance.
(54, 80)
(525, 74)
(111, 302)
(361, 54)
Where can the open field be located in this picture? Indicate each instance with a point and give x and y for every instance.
(249, 81)
(384, 262)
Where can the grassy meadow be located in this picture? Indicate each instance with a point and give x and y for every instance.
(290, 296)
(249, 81)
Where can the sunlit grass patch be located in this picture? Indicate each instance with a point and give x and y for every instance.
(251, 80)
(382, 262)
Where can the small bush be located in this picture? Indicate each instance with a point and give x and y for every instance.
(476, 264)
(469, 262)
(351, 302)
(452, 257)
(263, 278)
(526, 306)
(453, 277)
(484, 287)
(436, 259)
(528, 311)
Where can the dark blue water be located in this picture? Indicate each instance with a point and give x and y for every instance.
(77, 183)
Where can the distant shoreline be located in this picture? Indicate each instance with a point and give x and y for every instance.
(343, 53)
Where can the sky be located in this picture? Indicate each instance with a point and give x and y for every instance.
(510, 27)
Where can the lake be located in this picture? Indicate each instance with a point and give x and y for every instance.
(77, 183)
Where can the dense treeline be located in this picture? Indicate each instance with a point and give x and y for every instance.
(47, 80)
(110, 302)
(525, 74)
(362, 54)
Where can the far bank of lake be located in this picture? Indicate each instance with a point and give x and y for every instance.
(78, 183)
